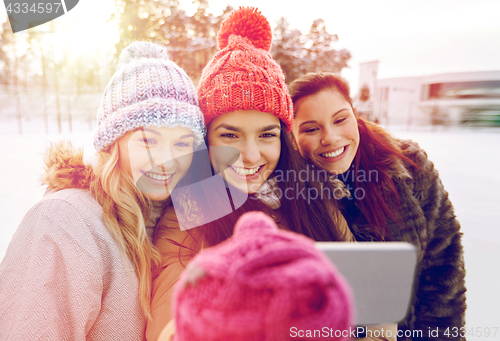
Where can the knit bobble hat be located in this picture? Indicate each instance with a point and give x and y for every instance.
(243, 75)
(259, 284)
(147, 89)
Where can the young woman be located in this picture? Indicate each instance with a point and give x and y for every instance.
(79, 265)
(396, 195)
(247, 109)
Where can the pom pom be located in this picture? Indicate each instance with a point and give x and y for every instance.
(246, 22)
(141, 49)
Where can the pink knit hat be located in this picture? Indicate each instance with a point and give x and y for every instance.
(260, 284)
(243, 75)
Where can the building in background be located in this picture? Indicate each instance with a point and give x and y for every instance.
(398, 101)
(440, 99)
(462, 98)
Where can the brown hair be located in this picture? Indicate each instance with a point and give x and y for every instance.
(377, 151)
(314, 82)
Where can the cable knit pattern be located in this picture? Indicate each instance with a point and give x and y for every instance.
(430, 224)
(147, 89)
(85, 288)
(258, 284)
(243, 75)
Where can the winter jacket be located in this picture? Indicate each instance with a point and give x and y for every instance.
(428, 222)
(63, 276)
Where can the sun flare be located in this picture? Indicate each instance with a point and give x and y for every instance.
(84, 32)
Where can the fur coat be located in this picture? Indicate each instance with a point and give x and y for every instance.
(430, 224)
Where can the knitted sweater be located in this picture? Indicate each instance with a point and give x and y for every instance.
(431, 225)
(64, 278)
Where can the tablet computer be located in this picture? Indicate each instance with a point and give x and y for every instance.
(381, 276)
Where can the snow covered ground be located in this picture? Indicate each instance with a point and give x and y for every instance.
(468, 160)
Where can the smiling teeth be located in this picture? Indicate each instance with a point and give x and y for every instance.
(157, 176)
(245, 171)
(333, 154)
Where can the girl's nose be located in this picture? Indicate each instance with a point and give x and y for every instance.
(164, 158)
(329, 136)
(250, 154)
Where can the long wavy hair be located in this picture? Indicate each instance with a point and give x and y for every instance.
(377, 150)
(125, 211)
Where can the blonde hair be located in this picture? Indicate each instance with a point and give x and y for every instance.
(125, 210)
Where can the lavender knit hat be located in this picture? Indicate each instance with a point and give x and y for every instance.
(147, 89)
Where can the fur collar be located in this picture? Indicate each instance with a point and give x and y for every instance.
(397, 169)
(64, 168)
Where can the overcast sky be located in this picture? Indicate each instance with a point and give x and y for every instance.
(408, 37)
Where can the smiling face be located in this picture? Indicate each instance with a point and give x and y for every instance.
(257, 137)
(325, 130)
(156, 158)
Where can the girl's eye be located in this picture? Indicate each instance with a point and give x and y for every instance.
(341, 120)
(228, 135)
(183, 144)
(268, 135)
(310, 130)
(148, 141)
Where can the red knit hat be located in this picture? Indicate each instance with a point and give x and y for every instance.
(260, 284)
(243, 75)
